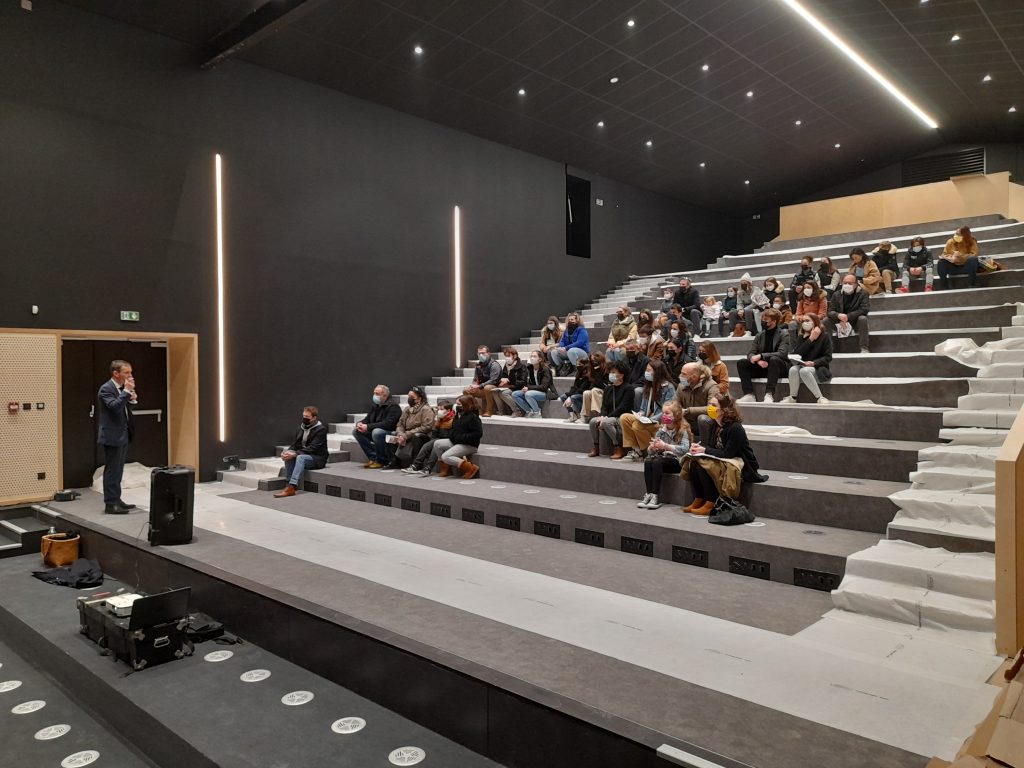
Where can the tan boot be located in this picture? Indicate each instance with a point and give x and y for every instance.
(618, 453)
(595, 451)
(468, 469)
(695, 504)
(289, 490)
(705, 509)
(446, 469)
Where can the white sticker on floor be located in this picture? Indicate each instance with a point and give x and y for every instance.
(297, 698)
(9, 685)
(407, 756)
(567, 495)
(218, 656)
(499, 487)
(797, 477)
(52, 732)
(550, 453)
(28, 706)
(77, 760)
(254, 675)
(467, 482)
(755, 524)
(531, 490)
(348, 725)
(607, 501)
(520, 450)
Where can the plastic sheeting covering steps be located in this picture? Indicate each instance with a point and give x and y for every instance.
(959, 574)
(974, 436)
(953, 479)
(971, 456)
(1009, 385)
(973, 509)
(916, 606)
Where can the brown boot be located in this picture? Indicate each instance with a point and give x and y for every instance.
(618, 453)
(595, 451)
(695, 504)
(468, 469)
(705, 509)
(446, 469)
(289, 490)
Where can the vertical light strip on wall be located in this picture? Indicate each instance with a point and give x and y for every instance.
(457, 238)
(221, 379)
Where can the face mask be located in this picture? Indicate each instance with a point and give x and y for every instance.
(807, 325)
(731, 294)
(620, 315)
(614, 378)
(806, 267)
(684, 383)
(534, 360)
(551, 326)
(958, 238)
(631, 356)
(667, 296)
(917, 249)
(442, 413)
(595, 363)
(778, 307)
(666, 418)
(458, 408)
(509, 361)
(306, 422)
(649, 375)
(484, 358)
(572, 324)
(642, 340)
(769, 286)
(848, 288)
(411, 401)
(377, 399)
(808, 292)
(674, 333)
(712, 412)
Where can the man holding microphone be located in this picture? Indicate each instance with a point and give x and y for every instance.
(117, 398)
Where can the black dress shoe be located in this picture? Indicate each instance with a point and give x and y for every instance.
(124, 506)
(113, 509)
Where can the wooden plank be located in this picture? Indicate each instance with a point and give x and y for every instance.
(1009, 526)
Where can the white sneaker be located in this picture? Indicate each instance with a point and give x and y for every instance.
(643, 502)
(633, 455)
(653, 503)
(769, 397)
(823, 401)
(411, 470)
(788, 400)
(747, 399)
(864, 350)
(424, 473)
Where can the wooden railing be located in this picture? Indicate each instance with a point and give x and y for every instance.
(1010, 541)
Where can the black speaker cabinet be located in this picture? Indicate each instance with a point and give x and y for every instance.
(170, 505)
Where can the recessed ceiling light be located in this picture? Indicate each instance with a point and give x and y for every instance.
(923, 2)
(954, 38)
(703, 165)
(649, 143)
(631, 23)
(522, 91)
(837, 146)
(750, 94)
(986, 79)
(1012, 109)
(747, 182)
(418, 49)
(600, 123)
(705, 68)
(613, 80)
(798, 122)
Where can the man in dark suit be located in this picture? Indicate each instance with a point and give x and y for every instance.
(117, 398)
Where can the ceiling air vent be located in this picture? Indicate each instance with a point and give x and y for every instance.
(925, 170)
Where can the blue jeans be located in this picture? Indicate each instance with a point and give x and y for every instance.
(947, 268)
(374, 446)
(530, 401)
(576, 403)
(615, 354)
(573, 355)
(295, 468)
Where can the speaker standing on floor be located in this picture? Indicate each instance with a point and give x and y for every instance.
(170, 505)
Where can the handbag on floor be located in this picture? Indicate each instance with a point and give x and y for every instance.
(59, 549)
(730, 512)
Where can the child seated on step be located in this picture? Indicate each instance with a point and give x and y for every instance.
(711, 311)
(442, 429)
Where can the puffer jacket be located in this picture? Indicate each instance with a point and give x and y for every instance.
(622, 330)
(816, 305)
(416, 420)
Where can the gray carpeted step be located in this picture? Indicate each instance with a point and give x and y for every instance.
(884, 364)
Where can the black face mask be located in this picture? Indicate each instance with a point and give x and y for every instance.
(702, 355)
(572, 326)
(620, 315)
(631, 356)
(411, 401)
(306, 422)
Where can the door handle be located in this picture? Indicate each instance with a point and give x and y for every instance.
(92, 411)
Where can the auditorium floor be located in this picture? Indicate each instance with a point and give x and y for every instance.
(600, 629)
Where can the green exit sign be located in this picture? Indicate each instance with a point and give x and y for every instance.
(130, 316)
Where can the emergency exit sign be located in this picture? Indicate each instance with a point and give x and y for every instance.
(130, 315)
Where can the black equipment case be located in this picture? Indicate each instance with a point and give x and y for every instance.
(140, 646)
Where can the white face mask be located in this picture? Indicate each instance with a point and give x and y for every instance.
(509, 361)
(674, 333)
(807, 325)
(808, 292)
(778, 307)
(732, 293)
(551, 326)
(534, 360)
(848, 287)
(917, 249)
(642, 340)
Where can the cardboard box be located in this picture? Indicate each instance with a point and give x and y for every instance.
(998, 741)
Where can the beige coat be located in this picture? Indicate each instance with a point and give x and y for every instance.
(416, 420)
(694, 401)
(872, 280)
(622, 330)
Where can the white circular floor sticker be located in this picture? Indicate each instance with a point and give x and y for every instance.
(348, 725)
(28, 706)
(77, 760)
(297, 698)
(797, 477)
(520, 450)
(550, 453)
(755, 524)
(467, 482)
(499, 487)
(567, 495)
(531, 490)
(9, 685)
(52, 732)
(607, 501)
(254, 675)
(218, 656)
(407, 756)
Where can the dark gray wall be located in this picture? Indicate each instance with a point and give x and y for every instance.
(338, 222)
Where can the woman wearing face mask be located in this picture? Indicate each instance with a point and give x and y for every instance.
(666, 299)
(550, 336)
(413, 430)
(828, 277)
(728, 440)
(783, 309)
(639, 427)
(573, 400)
(650, 345)
(513, 378)
(673, 359)
(462, 442)
(616, 402)
(814, 347)
(623, 328)
(745, 308)
(594, 396)
(728, 307)
(574, 345)
(884, 257)
(538, 386)
(917, 263)
(959, 257)
(774, 291)
(812, 301)
(424, 462)
(670, 444)
(708, 354)
(864, 269)
(800, 279)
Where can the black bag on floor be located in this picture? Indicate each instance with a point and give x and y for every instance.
(201, 628)
(730, 512)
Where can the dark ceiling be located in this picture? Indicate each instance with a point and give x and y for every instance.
(477, 54)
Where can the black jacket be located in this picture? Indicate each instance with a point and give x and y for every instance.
(779, 346)
(617, 400)
(688, 299)
(818, 352)
(467, 429)
(635, 377)
(487, 373)
(384, 416)
(731, 443)
(516, 375)
(852, 305)
(885, 260)
(581, 383)
(804, 276)
(316, 442)
(539, 382)
(922, 259)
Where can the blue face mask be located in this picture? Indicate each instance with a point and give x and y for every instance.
(684, 383)
(484, 358)
(376, 399)
(649, 375)
(613, 378)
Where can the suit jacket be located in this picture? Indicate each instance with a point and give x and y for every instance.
(116, 423)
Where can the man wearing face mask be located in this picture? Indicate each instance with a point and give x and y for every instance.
(696, 389)
(801, 279)
(413, 429)
(617, 400)
(850, 305)
(768, 358)
(623, 328)
(307, 451)
(728, 310)
(688, 297)
(650, 343)
(636, 364)
(486, 376)
(917, 263)
(372, 430)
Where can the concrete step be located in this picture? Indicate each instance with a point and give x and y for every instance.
(935, 392)
(1013, 332)
(787, 549)
(883, 364)
(970, 575)
(901, 341)
(916, 606)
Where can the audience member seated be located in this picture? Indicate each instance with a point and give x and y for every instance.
(781, 306)
(424, 462)
(848, 311)
(812, 301)
(574, 345)
(550, 336)
(959, 257)
(372, 430)
(538, 387)
(674, 359)
(462, 442)
(636, 363)
(639, 426)
(307, 451)
(670, 444)
(573, 400)
(866, 272)
(739, 330)
(649, 343)
(644, 317)
(728, 440)
(804, 277)
(773, 292)
(593, 397)
(728, 307)
(513, 378)
(697, 388)
(768, 358)
(623, 327)
(884, 257)
(617, 400)
(667, 299)
(813, 346)
(712, 316)
(675, 315)
(709, 356)
(750, 303)
(414, 426)
(917, 263)
(486, 376)
(688, 297)
(828, 276)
